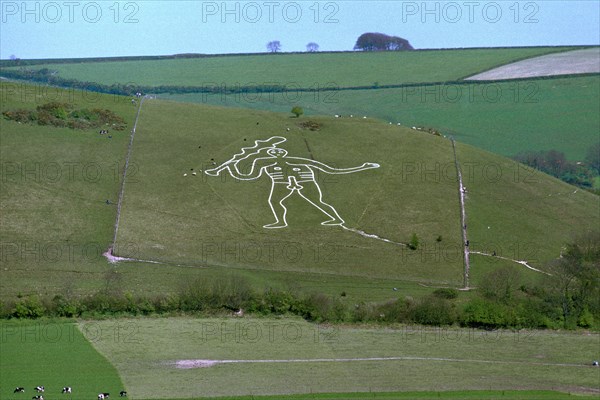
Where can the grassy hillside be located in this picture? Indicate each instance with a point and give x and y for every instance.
(316, 70)
(202, 220)
(426, 359)
(504, 118)
(55, 227)
(55, 354)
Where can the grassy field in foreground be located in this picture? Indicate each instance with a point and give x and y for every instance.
(429, 359)
(53, 354)
(315, 70)
(463, 395)
(503, 118)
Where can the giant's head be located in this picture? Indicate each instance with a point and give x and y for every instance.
(277, 152)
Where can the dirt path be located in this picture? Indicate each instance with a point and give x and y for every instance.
(522, 262)
(463, 220)
(570, 62)
(463, 217)
(124, 178)
(189, 364)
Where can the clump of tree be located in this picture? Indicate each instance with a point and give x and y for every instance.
(381, 42)
(569, 297)
(297, 111)
(312, 47)
(553, 162)
(62, 115)
(274, 46)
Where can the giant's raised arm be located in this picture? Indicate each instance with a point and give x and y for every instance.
(232, 167)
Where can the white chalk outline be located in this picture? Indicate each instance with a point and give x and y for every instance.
(293, 185)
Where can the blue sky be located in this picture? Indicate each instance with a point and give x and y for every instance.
(53, 29)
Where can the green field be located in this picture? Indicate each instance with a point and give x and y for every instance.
(300, 70)
(504, 118)
(54, 354)
(427, 359)
(422, 395)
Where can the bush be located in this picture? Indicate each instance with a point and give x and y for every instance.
(394, 310)
(65, 307)
(62, 115)
(433, 310)
(29, 307)
(586, 319)
(321, 308)
(479, 313)
(297, 111)
(446, 293)
(414, 242)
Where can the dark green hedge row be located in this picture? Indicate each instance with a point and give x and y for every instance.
(47, 76)
(529, 308)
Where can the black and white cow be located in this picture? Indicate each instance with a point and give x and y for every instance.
(103, 396)
(19, 390)
(39, 389)
(66, 389)
(123, 393)
(38, 397)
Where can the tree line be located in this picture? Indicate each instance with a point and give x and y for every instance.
(554, 162)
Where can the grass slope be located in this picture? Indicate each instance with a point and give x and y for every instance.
(56, 223)
(55, 183)
(301, 70)
(205, 220)
(490, 360)
(53, 354)
(504, 118)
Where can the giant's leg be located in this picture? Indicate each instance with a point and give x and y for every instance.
(312, 193)
(279, 192)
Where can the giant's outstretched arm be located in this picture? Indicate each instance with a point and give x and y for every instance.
(327, 169)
